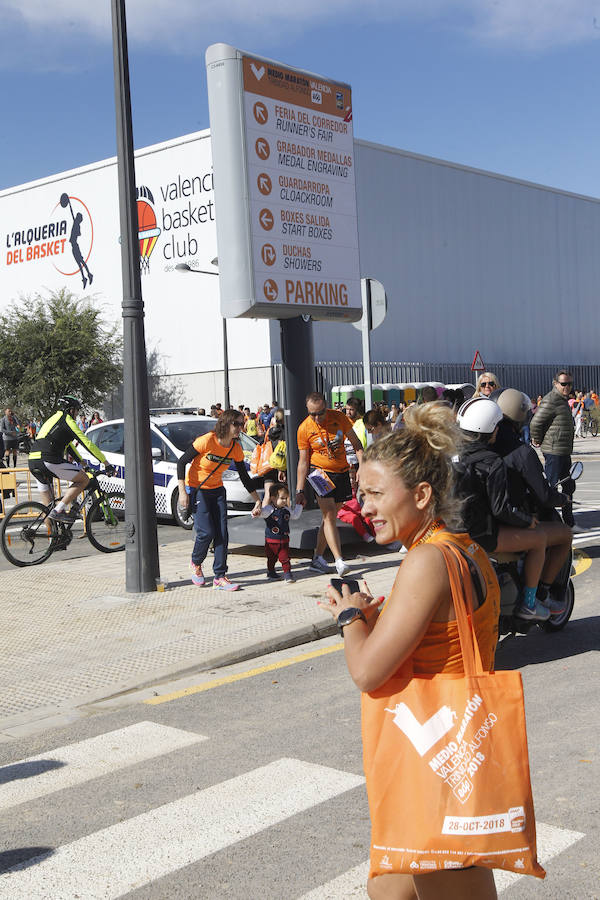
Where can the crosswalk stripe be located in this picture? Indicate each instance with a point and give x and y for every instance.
(130, 854)
(550, 842)
(351, 884)
(68, 766)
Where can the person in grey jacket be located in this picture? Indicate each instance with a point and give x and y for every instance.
(9, 429)
(552, 429)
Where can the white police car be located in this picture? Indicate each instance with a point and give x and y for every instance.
(171, 435)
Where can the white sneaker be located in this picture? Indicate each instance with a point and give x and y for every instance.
(341, 567)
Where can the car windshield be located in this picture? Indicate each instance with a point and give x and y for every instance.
(182, 434)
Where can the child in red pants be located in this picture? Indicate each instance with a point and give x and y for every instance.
(277, 514)
(351, 513)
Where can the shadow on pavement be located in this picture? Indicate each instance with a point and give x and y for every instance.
(23, 857)
(28, 769)
(579, 636)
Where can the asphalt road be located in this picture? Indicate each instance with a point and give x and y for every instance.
(250, 785)
(247, 782)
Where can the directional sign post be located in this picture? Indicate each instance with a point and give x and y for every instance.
(283, 158)
(374, 304)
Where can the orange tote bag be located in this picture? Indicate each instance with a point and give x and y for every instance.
(446, 763)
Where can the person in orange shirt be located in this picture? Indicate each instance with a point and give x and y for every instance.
(407, 483)
(321, 448)
(202, 489)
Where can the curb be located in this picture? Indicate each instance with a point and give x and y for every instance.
(46, 717)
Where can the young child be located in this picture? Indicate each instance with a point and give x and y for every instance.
(277, 514)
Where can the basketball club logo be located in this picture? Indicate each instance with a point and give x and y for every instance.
(148, 230)
(81, 238)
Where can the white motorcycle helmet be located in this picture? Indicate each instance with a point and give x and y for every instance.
(479, 416)
(515, 405)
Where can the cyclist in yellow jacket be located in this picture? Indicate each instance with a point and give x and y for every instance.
(47, 458)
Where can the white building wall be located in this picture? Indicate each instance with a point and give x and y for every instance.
(182, 316)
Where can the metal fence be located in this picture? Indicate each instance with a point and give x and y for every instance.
(533, 379)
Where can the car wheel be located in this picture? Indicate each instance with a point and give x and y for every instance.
(188, 524)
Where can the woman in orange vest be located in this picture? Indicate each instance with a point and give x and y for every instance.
(407, 484)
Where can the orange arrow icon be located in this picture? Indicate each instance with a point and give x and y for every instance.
(264, 183)
(262, 148)
(266, 219)
(268, 254)
(261, 113)
(270, 289)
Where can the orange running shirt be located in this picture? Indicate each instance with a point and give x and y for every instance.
(314, 435)
(211, 455)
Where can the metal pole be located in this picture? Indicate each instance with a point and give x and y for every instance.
(298, 358)
(225, 365)
(366, 343)
(141, 549)
(184, 267)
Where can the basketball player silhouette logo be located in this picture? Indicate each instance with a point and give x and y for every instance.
(65, 201)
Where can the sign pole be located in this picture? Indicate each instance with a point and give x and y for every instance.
(366, 341)
(374, 310)
(297, 357)
(141, 547)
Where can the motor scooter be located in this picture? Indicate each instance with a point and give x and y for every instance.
(509, 571)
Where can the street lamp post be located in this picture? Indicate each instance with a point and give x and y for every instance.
(184, 267)
(141, 546)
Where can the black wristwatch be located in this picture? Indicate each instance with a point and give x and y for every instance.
(349, 615)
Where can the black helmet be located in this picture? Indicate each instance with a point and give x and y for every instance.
(68, 401)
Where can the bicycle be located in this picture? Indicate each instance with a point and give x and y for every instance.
(589, 423)
(29, 536)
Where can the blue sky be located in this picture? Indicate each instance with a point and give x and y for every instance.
(504, 85)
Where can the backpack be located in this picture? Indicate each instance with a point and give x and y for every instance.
(278, 458)
(477, 518)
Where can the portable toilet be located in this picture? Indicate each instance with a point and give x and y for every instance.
(391, 393)
(341, 392)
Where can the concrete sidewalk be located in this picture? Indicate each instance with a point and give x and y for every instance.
(71, 635)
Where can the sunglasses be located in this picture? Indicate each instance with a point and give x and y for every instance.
(565, 383)
(487, 384)
(319, 413)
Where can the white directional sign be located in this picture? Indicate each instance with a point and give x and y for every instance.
(283, 156)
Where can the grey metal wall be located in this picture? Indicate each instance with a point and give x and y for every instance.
(472, 261)
(532, 379)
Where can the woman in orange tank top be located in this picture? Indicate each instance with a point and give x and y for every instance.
(407, 482)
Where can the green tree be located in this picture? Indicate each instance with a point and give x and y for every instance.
(55, 345)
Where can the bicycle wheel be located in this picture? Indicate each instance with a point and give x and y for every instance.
(105, 522)
(28, 537)
(594, 427)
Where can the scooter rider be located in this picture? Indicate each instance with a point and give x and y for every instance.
(529, 487)
(490, 516)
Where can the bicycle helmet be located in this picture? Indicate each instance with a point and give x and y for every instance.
(68, 401)
(479, 415)
(515, 405)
